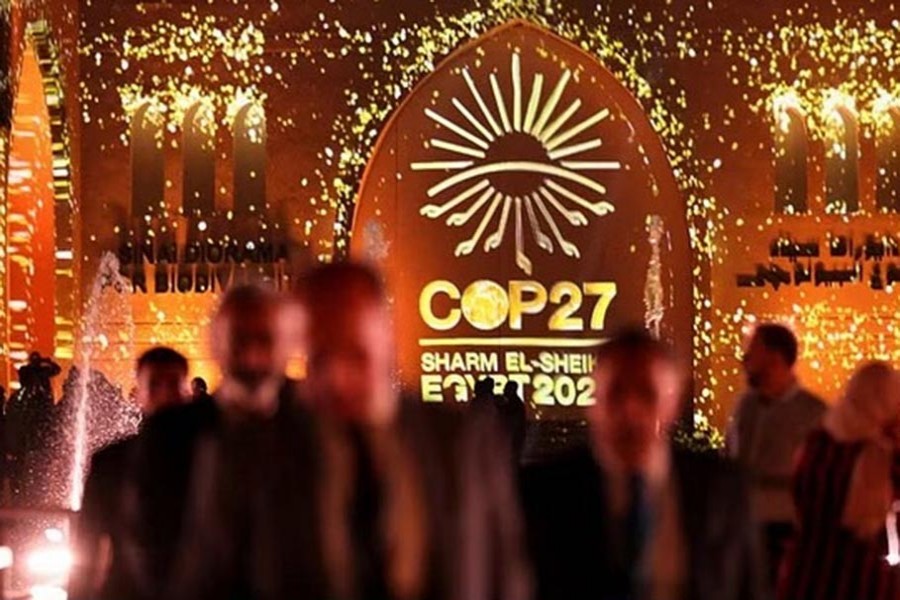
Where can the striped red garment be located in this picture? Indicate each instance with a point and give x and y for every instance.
(825, 561)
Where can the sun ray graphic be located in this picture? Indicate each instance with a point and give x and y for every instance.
(510, 154)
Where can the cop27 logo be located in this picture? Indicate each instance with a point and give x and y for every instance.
(513, 155)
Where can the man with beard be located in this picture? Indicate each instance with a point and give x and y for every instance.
(251, 507)
(629, 517)
(418, 503)
(769, 426)
(178, 446)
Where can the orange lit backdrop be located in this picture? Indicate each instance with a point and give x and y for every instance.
(30, 221)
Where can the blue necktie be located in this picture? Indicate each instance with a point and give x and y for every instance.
(638, 528)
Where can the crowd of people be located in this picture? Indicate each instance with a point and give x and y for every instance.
(339, 487)
(36, 441)
(26, 421)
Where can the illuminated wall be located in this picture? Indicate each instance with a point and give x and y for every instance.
(30, 221)
(522, 207)
(41, 180)
(181, 245)
(778, 124)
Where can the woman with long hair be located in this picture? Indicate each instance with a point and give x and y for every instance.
(846, 481)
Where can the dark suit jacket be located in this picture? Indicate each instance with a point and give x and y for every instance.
(101, 517)
(255, 530)
(135, 496)
(478, 546)
(567, 517)
(251, 528)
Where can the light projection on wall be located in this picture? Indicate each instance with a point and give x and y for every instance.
(199, 144)
(718, 139)
(520, 160)
(842, 154)
(530, 161)
(192, 244)
(887, 110)
(249, 159)
(30, 221)
(148, 180)
(65, 266)
(791, 156)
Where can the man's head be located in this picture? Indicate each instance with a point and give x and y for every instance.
(484, 388)
(349, 342)
(247, 337)
(161, 379)
(198, 386)
(639, 386)
(770, 356)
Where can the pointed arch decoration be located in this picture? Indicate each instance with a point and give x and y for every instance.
(147, 162)
(507, 201)
(841, 157)
(791, 158)
(199, 143)
(888, 148)
(250, 159)
(59, 238)
(67, 303)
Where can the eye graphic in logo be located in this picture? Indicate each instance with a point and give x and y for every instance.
(524, 162)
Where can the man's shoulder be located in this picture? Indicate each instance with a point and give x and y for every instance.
(809, 400)
(193, 414)
(110, 462)
(175, 428)
(746, 400)
(114, 452)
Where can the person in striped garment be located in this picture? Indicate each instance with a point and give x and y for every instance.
(847, 479)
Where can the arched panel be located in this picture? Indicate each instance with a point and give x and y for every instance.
(888, 194)
(249, 159)
(30, 232)
(65, 207)
(199, 160)
(147, 162)
(841, 159)
(522, 207)
(791, 159)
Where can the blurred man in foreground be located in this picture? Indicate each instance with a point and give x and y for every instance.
(250, 346)
(769, 427)
(629, 518)
(108, 565)
(252, 508)
(362, 498)
(418, 505)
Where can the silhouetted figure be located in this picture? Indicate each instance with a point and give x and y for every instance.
(769, 426)
(31, 414)
(37, 373)
(512, 413)
(130, 520)
(629, 517)
(199, 389)
(484, 398)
